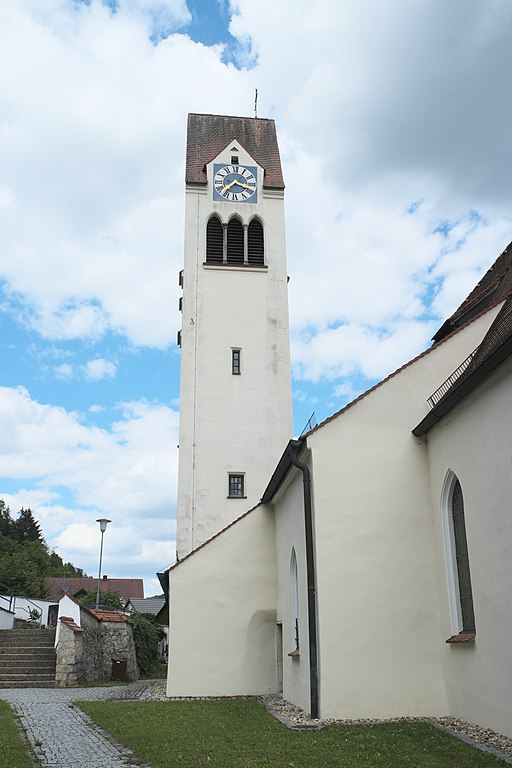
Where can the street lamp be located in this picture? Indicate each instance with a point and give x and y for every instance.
(103, 527)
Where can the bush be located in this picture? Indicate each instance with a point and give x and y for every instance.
(109, 598)
(146, 635)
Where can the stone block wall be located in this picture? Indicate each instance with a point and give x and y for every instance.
(85, 652)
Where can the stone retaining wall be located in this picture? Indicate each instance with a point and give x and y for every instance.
(85, 651)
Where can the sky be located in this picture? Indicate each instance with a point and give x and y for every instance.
(394, 122)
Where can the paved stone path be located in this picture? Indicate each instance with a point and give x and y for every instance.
(61, 735)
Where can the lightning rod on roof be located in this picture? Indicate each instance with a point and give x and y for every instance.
(255, 102)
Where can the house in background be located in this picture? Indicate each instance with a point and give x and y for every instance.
(158, 608)
(153, 606)
(372, 579)
(78, 587)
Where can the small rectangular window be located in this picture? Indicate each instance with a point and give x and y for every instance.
(236, 488)
(234, 160)
(235, 362)
(180, 278)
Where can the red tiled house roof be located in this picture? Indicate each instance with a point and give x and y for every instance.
(127, 588)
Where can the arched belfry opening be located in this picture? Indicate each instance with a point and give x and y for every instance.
(255, 243)
(214, 241)
(235, 241)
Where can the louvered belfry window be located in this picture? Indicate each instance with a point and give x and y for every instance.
(235, 253)
(231, 245)
(462, 558)
(214, 241)
(256, 251)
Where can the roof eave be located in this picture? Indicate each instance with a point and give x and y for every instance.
(281, 471)
(467, 385)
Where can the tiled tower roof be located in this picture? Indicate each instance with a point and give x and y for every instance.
(207, 135)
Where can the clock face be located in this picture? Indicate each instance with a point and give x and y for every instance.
(236, 183)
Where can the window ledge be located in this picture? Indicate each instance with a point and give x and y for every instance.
(236, 497)
(236, 266)
(294, 654)
(462, 637)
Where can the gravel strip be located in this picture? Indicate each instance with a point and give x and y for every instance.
(481, 738)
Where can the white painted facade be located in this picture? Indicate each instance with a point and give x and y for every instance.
(475, 444)
(380, 649)
(223, 613)
(224, 418)
(6, 618)
(381, 568)
(23, 606)
(289, 524)
(67, 607)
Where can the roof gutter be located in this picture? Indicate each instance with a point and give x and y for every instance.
(294, 448)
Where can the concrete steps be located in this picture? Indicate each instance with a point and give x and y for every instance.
(27, 658)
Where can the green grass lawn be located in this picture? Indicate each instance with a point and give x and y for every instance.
(237, 733)
(13, 753)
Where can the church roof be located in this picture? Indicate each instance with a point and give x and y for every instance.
(495, 347)
(494, 286)
(207, 135)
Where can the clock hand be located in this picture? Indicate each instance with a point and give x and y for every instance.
(232, 183)
(228, 186)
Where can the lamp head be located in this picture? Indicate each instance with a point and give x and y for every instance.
(103, 523)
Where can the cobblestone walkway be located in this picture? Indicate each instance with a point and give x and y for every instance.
(61, 735)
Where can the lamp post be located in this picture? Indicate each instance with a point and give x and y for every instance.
(103, 527)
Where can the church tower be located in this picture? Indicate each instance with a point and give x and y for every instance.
(235, 399)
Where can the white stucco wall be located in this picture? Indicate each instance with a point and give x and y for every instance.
(289, 522)
(223, 613)
(231, 423)
(23, 606)
(70, 608)
(6, 618)
(378, 603)
(474, 441)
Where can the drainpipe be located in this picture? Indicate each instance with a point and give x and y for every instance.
(294, 449)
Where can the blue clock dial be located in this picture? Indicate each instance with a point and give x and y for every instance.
(235, 183)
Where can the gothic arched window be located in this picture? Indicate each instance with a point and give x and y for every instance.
(461, 593)
(214, 241)
(462, 560)
(255, 243)
(294, 589)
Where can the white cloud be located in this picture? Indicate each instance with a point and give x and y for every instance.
(91, 151)
(127, 473)
(64, 371)
(99, 368)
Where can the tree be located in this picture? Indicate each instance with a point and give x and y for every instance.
(110, 597)
(21, 572)
(58, 567)
(26, 528)
(6, 521)
(24, 558)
